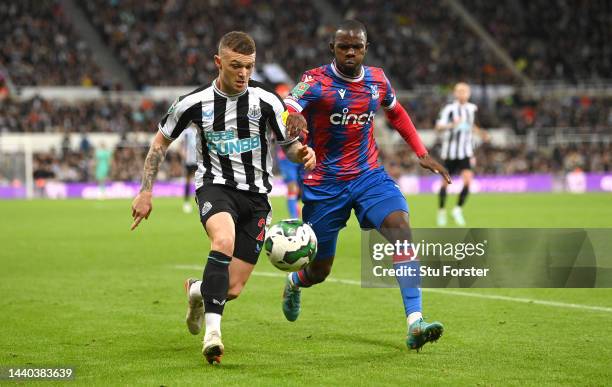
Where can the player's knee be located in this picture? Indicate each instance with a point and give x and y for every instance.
(223, 244)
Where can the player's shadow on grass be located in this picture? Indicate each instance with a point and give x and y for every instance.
(352, 339)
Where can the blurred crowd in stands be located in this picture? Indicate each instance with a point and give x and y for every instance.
(552, 39)
(589, 115)
(100, 115)
(40, 46)
(79, 166)
(515, 159)
(172, 42)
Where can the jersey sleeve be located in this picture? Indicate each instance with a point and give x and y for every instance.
(179, 116)
(305, 92)
(278, 122)
(389, 99)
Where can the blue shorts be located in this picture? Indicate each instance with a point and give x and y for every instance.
(373, 196)
(289, 170)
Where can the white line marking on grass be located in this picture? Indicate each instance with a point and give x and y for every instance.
(440, 291)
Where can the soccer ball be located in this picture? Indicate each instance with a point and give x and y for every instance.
(290, 244)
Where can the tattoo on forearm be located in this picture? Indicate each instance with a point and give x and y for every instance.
(151, 166)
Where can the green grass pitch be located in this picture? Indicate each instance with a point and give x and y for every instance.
(79, 289)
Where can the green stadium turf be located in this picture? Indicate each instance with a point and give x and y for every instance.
(79, 289)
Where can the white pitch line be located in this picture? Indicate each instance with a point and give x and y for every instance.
(440, 291)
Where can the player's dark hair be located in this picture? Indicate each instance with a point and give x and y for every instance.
(350, 25)
(238, 41)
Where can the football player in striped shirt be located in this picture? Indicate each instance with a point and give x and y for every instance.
(235, 117)
(457, 121)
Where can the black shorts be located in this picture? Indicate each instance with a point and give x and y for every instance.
(191, 168)
(250, 211)
(454, 167)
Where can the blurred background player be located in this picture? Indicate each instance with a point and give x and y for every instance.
(457, 122)
(339, 101)
(290, 172)
(103, 161)
(191, 164)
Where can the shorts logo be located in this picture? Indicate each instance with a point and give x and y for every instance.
(208, 115)
(215, 301)
(300, 89)
(254, 112)
(375, 93)
(257, 248)
(205, 208)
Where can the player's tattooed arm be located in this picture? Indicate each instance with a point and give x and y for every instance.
(142, 204)
(156, 155)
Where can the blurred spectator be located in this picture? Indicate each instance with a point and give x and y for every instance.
(580, 30)
(40, 47)
(173, 42)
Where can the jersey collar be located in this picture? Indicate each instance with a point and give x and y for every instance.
(346, 77)
(232, 96)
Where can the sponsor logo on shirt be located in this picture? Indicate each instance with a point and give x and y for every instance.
(346, 117)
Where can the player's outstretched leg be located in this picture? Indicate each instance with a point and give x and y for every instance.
(195, 306)
(396, 228)
(314, 273)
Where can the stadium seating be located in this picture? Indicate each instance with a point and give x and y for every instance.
(173, 43)
(40, 47)
(555, 29)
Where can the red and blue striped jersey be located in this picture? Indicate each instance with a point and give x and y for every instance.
(340, 114)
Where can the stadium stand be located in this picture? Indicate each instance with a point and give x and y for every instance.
(40, 47)
(173, 43)
(581, 28)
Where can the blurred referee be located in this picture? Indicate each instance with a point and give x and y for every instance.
(457, 123)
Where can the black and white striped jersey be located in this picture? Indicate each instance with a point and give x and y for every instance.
(457, 141)
(234, 134)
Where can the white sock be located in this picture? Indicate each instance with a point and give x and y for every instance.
(414, 316)
(194, 290)
(213, 322)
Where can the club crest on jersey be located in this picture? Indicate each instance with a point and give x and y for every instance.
(342, 92)
(254, 112)
(208, 115)
(374, 89)
(173, 106)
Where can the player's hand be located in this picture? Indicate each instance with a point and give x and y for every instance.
(429, 163)
(296, 124)
(306, 155)
(141, 208)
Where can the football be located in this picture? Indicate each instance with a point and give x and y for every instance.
(290, 244)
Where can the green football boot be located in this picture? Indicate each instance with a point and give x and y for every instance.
(420, 333)
(291, 300)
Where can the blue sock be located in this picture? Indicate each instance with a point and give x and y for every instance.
(292, 205)
(409, 286)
